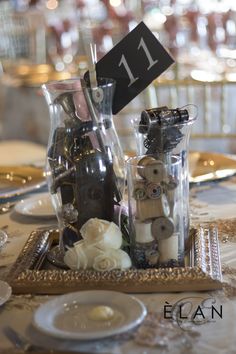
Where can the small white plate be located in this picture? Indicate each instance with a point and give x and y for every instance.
(67, 316)
(5, 292)
(39, 206)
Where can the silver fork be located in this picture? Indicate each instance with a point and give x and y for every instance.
(6, 207)
(19, 341)
(3, 237)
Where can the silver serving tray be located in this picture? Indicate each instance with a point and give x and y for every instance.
(31, 272)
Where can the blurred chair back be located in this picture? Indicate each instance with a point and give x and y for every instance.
(22, 36)
(215, 128)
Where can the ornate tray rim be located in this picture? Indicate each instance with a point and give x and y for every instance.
(203, 273)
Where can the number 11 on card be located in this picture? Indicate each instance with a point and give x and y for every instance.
(151, 62)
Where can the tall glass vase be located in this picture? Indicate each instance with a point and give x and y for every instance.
(156, 221)
(163, 132)
(85, 165)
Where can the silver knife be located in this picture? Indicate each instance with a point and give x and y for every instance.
(23, 345)
(19, 341)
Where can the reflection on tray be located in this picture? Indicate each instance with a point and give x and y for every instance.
(17, 180)
(32, 274)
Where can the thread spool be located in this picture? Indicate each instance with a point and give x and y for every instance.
(162, 228)
(143, 232)
(153, 190)
(146, 255)
(152, 170)
(144, 161)
(168, 248)
(152, 208)
(140, 192)
(152, 255)
(172, 192)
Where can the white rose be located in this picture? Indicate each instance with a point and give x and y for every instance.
(112, 259)
(70, 258)
(124, 259)
(75, 257)
(92, 231)
(104, 262)
(89, 252)
(102, 233)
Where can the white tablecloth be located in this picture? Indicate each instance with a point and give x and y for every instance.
(209, 203)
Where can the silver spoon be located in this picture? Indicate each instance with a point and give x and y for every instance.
(3, 237)
(6, 207)
(19, 341)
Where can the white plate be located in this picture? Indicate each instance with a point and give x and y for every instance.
(5, 292)
(39, 206)
(67, 316)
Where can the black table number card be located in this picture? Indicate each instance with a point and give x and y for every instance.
(133, 63)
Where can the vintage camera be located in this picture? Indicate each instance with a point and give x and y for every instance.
(163, 116)
(161, 126)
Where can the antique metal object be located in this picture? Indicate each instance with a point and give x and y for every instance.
(85, 166)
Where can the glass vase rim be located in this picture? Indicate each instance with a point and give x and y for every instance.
(133, 161)
(51, 86)
(191, 120)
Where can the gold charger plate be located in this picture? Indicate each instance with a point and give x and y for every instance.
(209, 166)
(32, 274)
(32, 74)
(18, 180)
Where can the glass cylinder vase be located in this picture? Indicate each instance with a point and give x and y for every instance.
(85, 165)
(156, 221)
(164, 132)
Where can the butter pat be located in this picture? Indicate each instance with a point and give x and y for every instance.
(101, 313)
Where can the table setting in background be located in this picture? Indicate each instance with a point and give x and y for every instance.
(142, 262)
